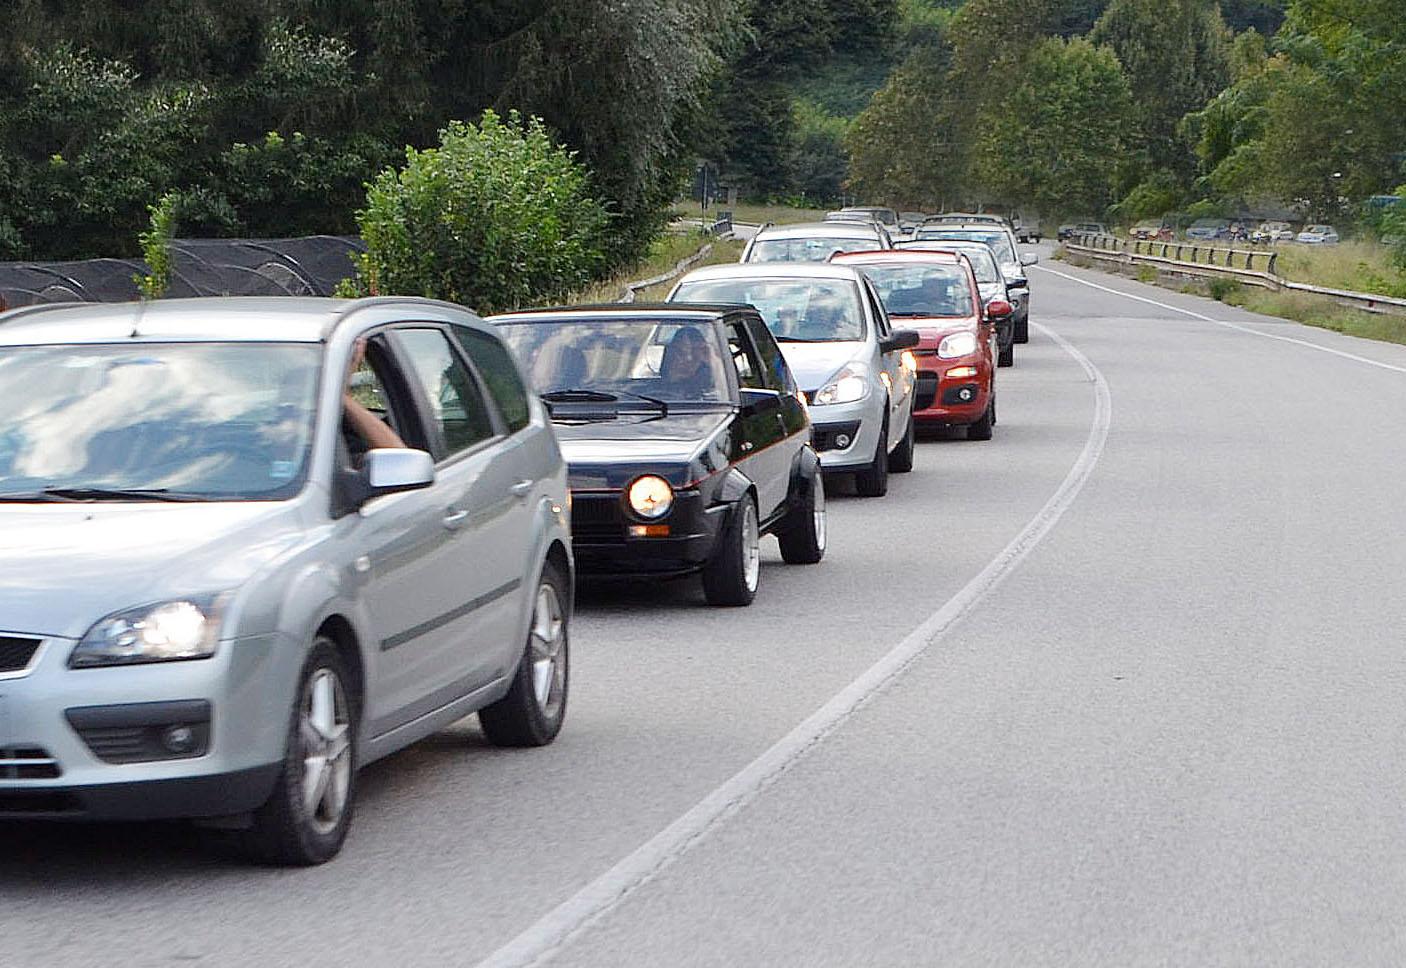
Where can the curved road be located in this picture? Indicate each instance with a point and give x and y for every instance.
(1161, 722)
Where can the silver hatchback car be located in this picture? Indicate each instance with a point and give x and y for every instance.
(248, 546)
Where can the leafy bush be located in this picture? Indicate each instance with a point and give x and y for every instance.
(497, 217)
(1223, 290)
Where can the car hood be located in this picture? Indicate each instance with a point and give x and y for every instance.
(64, 566)
(609, 453)
(814, 363)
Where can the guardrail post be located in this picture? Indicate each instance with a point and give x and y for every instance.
(1273, 261)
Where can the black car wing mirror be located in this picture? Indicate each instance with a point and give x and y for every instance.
(900, 339)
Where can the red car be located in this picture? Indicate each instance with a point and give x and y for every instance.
(935, 293)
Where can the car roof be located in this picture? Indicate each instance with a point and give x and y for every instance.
(840, 228)
(618, 310)
(265, 319)
(774, 270)
(966, 226)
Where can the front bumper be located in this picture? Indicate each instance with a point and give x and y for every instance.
(861, 421)
(940, 399)
(604, 546)
(86, 743)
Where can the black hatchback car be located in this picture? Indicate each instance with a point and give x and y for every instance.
(685, 436)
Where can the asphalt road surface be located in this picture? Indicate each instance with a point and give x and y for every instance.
(1122, 686)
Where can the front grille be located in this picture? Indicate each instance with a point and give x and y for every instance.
(27, 763)
(925, 392)
(597, 517)
(16, 653)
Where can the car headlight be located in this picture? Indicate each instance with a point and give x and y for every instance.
(163, 632)
(846, 386)
(955, 345)
(650, 497)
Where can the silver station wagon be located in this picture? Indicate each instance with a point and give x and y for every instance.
(248, 546)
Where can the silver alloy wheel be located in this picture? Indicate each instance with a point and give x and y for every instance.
(818, 515)
(324, 730)
(546, 651)
(751, 546)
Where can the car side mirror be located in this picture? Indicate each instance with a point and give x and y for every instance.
(1019, 282)
(999, 309)
(389, 470)
(900, 339)
(1029, 258)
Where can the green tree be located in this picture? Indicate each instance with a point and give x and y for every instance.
(1054, 140)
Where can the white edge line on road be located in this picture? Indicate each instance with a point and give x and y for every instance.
(558, 927)
(1226, 324)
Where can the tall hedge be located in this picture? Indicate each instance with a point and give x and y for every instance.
(497, 217)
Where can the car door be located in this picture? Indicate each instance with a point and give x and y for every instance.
(759, 422)
(463, 585)
(777, 376)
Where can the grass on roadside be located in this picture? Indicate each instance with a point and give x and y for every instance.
(667, 251)
(1319, 311)
(756, 213)
(1354, 266)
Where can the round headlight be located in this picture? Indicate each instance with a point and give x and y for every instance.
(650, 496)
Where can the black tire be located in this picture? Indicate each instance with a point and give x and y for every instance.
(803, 538)
(901, 457)
(981, 430)
(1005, 355)
(1022, 330)
(284, 831)
(731, 577)
(873, 481)
(524, 718)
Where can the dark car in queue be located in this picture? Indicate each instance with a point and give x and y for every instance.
(1001, 241)
(686, 440)
(990, 281)
(935, 293)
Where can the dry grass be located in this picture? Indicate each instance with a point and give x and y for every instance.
(1354, 266)
(668, 251)
(1322, 312)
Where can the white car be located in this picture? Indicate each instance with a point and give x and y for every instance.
(815, 241)
(1270, 232)
(850, 363)
(1319, 235)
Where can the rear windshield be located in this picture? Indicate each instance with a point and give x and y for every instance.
(916, 289)
(807, 250)
(994, 239)
(796, 310)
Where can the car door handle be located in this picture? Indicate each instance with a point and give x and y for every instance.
(522, 488)
(454, 517)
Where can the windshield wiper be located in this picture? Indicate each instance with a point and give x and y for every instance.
(601, 396)
(117, 494)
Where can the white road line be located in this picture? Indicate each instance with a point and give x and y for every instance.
(1222, 322)
(558, 927)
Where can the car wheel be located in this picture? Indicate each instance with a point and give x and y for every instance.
(1022, 330)
(305, 820)
(532, 712)
(732, 576)
(873, 481)
(901, 458)
(981, 430)
(1005, 356)
(803, 539)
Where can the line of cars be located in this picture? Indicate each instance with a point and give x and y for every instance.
(254, 545)
(1266, 232)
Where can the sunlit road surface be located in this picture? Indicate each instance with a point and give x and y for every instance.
(1162, 723)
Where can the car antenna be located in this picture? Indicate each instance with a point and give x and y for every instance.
(137, 320)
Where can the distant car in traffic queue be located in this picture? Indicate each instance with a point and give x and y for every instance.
(1208, 229)
(990, 282)
(886, 217)
(814, 241)
(1013, 262)
(851, 364)
(936, 293)
(256, 544)
(686, 440)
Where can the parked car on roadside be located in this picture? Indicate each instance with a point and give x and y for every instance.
(1208, 229)
(936, 294)
(846, 357)
(1268, 233)
(1319, 235)
(255, 544)
(814, 241)
(1013, 262)
(685, 437)
(1070, 229)
(908, 222)
(990, 283)
(1151, 229)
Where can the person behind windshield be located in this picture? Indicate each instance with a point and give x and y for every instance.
(933, 296)
(687, 369)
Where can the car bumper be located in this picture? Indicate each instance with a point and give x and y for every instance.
(944, 400)
(90, 743)
(604, 545)
(861, 421)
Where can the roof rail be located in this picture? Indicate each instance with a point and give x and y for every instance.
(34, 309)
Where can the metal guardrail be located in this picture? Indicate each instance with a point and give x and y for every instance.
(632, 289)
(1182, 257)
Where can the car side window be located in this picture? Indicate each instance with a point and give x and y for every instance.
(368, 388)
(496, 367)
(749, 368)
(775, 375)
(459, 414)
(876, 309)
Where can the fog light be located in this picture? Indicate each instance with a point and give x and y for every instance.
(966, 393)
(842, 441)
(178, 739)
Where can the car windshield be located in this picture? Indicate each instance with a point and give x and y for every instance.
(608, 360)
(994, 239)
(983, 263)
(796, 310)
(918, 289)
(814, 249)
(194, 421)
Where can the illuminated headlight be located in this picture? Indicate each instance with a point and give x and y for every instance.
(650, 497)
(847, 386)
(957, 344)
(163, 632)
